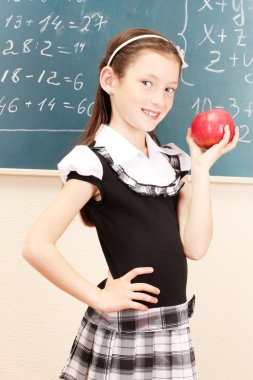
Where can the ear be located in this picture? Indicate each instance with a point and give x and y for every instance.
(107, 78)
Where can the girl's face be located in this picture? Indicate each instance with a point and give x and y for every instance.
(144, 96)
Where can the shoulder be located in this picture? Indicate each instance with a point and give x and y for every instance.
(80, 159)
(185, 160)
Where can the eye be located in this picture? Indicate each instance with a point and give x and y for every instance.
(146, 83)
(170, 90)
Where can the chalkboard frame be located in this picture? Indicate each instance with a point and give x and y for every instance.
(55, 173)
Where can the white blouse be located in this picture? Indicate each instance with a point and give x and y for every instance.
(153, 170)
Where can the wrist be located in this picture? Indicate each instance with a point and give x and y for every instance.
(94, 298)
(199, 170)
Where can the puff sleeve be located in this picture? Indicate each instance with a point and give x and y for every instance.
(81, 163)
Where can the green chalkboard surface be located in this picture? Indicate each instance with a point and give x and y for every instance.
(50, 51)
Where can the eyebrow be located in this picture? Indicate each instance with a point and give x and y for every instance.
(155, 77)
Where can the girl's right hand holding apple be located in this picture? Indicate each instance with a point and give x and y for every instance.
(206, 158)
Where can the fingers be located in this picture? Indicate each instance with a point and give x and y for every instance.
(189, 137)
(225, 139)
(120, 293)
(225, 144)
(137, 289)
(226, 135)
(137, 306)
(235, 138)
(136, 272)
(192, 145)
(144, 297)
(145, 288)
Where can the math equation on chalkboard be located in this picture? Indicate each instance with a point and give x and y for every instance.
(45, 51)
(50, 51)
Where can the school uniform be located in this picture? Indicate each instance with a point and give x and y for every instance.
(137, 225)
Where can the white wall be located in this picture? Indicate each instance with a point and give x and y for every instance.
(39, 322)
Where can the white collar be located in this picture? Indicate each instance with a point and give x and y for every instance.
(122, 150)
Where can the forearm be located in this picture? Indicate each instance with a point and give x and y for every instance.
(52, 265)
(198, 229)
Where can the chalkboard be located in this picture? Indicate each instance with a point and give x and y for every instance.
(50, 52)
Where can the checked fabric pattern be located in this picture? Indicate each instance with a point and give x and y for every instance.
(133, 345)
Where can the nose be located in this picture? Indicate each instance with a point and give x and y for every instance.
(158, 100)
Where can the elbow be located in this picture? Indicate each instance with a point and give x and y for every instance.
(195, 253)
(196, 250)
(28, 251)
(32, 251)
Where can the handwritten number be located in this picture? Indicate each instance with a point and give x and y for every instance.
(49, 80)
(78, 84)
(9, 49)
(46, 22)
(8, 20)
(11, 108)
(27, 42)
(101, 20)
(85, 28)
(81, 108)
(207, 104)
(213, 61)
(15, 77)
(234, 105)
(42, 52)
(18, 22)
(90, 109)
(196, 104)
(2, 106)
(242, 138)
(87, 22)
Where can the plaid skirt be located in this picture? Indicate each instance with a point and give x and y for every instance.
(133, 345)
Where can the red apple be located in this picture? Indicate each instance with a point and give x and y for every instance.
(208, 127)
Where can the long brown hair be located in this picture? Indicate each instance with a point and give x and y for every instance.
(102, 106)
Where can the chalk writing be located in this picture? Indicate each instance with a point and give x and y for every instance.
(50, 78)
(49, 60)
(222, 46)
(14, 105)
(45, 1)
(47, 73)
(205, 104)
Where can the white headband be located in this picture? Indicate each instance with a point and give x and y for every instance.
(179, 50)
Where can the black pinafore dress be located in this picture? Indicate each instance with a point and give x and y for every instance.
(132, 344)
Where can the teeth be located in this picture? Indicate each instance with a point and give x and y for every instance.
(150, 113)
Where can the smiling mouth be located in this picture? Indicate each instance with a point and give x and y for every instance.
(151, 114)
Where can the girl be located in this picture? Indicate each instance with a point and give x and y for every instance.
(136, 194)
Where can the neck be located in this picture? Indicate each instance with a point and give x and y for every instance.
(133, 135)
